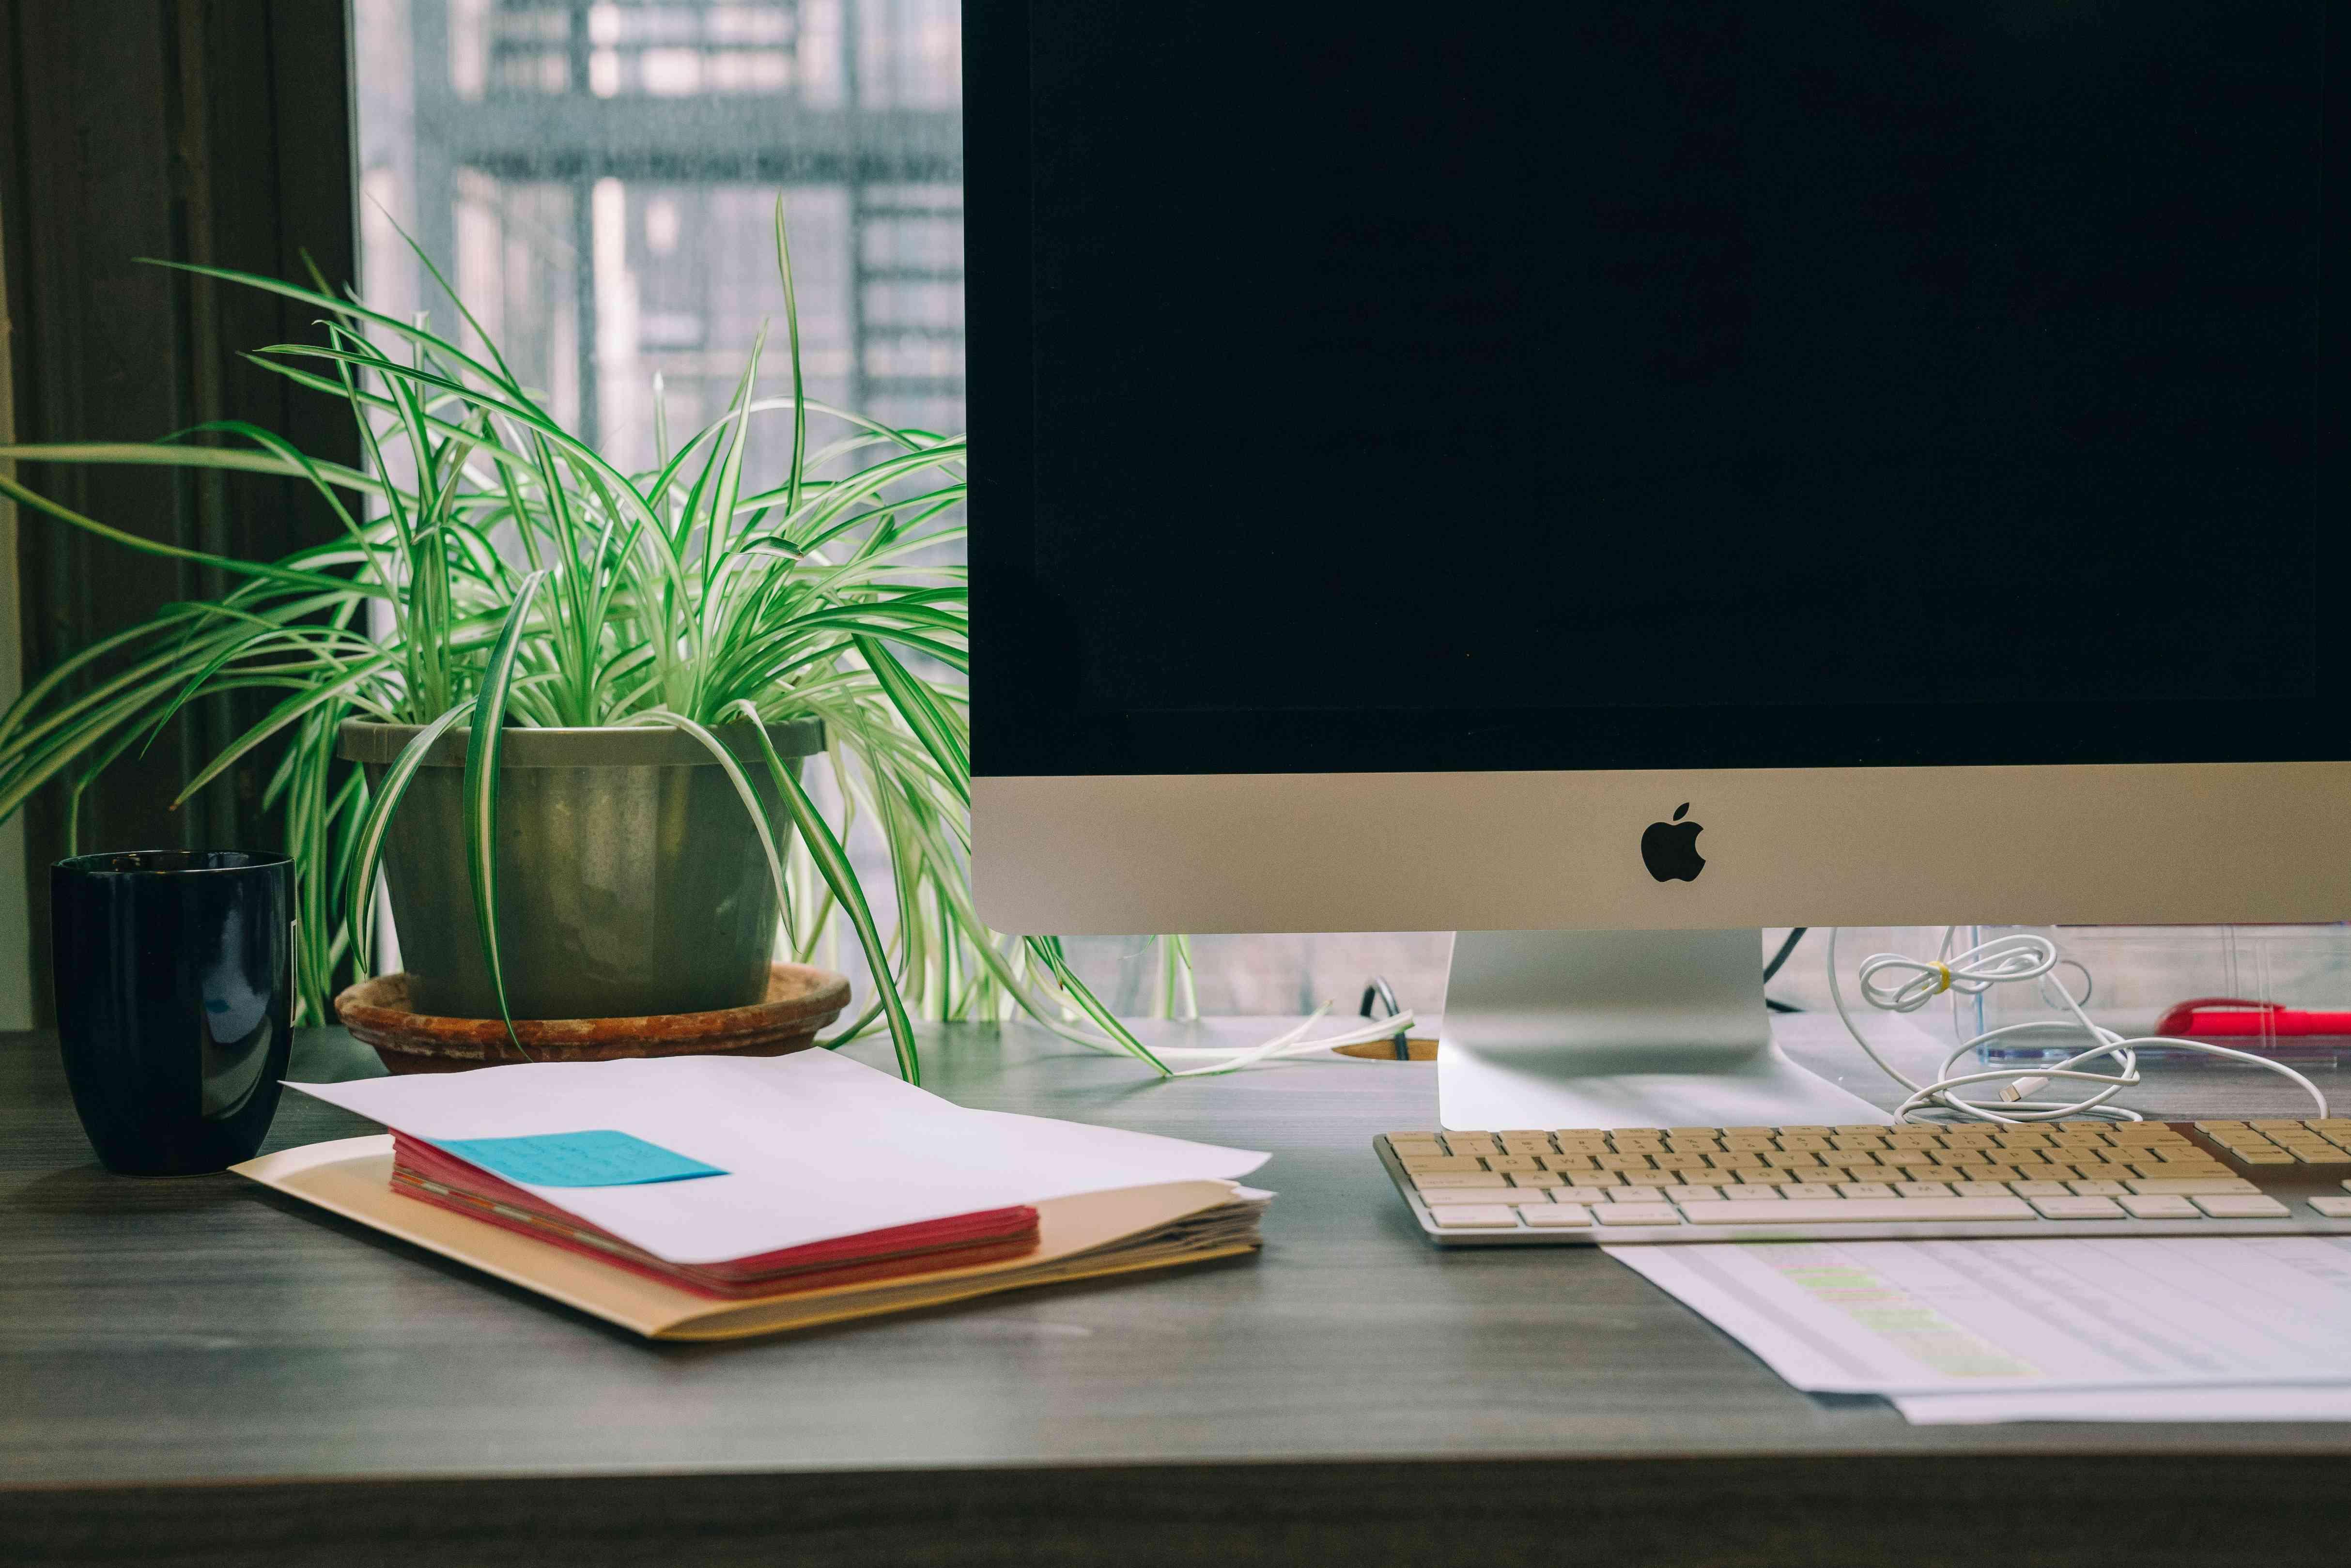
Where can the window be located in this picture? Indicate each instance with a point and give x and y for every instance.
(596, 177)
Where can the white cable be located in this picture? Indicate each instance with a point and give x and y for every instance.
(1894, 983)
(1293, 1043)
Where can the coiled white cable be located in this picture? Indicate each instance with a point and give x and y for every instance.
(1894, 983)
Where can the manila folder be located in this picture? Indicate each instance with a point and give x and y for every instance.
(1080, 1238)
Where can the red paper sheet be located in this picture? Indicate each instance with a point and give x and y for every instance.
(432, 1174)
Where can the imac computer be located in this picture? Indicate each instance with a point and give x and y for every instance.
(1603, 477)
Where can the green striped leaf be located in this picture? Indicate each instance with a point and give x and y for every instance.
(40, 503)
(483, 748)
(832, 864)
(800, 387)
(921, 715)
(1049, 949)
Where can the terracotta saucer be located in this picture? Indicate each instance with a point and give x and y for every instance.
(800, 1000)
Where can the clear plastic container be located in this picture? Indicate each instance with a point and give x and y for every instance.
(2267, 989)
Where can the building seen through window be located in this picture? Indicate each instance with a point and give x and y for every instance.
(598, 180)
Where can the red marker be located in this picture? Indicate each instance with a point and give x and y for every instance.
(2235, 1018)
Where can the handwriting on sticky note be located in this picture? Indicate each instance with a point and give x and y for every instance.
(600, 1157)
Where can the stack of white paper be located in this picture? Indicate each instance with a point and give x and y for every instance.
(814, 1146)
(2134, 1329)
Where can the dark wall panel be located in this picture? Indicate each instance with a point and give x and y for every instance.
(217, 131)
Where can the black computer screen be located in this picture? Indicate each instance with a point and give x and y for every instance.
(1373, 386)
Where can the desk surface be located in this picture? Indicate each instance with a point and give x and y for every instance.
(154, 1334)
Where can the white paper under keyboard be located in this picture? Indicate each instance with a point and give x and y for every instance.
(1893, 1317)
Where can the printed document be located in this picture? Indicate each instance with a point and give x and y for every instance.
(1983, 1317)
(2267, 1402)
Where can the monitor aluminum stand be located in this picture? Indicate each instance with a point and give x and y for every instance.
(1620, 1029)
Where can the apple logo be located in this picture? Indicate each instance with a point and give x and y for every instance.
(1670, 848)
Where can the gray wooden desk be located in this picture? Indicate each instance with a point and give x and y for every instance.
(198, 1371)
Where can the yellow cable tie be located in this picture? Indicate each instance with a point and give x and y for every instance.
(1945, 971)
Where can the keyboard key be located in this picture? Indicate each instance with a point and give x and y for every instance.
(1704, 1194)
(1804, 1190)
(2097, 1189)
(1475, 1217)
(1866, 1189)
(2160, 1207)
(1429, 1181)
(2039, 1189)
(1637, 1214)
(1848, 1210)
(2184, 1187)
(2330, 1155)
(1922, 1189)
(1743, 1196)
(1433, 1196)
(1579, 1195)
(2333, 1207)
(2078, 1208)
(1559, 1217)
(1419, 1165)
(2238, 1206)
(1636, 1194)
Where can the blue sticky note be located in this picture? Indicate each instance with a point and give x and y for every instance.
(599, 1158)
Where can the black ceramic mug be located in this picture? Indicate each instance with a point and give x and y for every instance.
(176, 989)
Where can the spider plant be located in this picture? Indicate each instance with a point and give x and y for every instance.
(492, 570)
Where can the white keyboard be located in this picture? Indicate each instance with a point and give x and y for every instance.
(1749, 1183)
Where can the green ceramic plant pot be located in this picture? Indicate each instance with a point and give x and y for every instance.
(630, 881)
